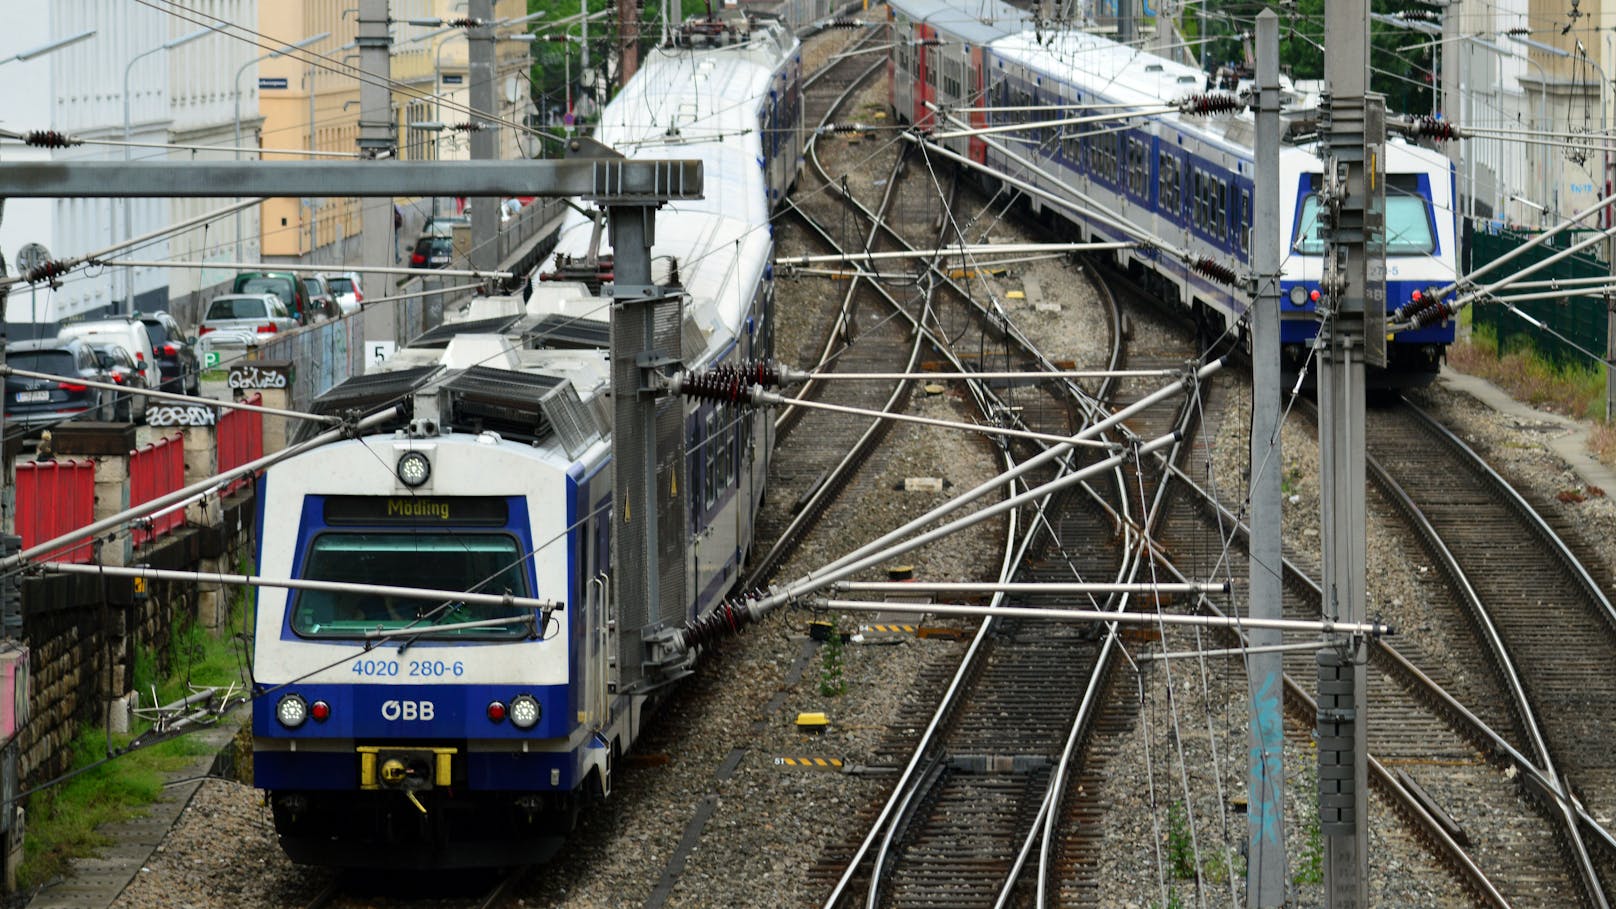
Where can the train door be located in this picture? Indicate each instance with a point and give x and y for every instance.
(601, 628)
(975, 96)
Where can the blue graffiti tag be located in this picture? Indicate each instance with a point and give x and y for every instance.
(1267, 752)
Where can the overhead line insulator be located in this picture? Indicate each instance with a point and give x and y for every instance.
(47, 271)
(50, 138)
(1204, 104)
(1431, 128)
(1216, 270)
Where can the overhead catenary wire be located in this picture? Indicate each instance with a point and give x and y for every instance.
(1372, 629)
(64, 265)
(248, 580)
(192, 400)
(278, 266)
(123, 517)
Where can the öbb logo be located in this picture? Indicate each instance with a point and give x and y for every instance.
(407, 710)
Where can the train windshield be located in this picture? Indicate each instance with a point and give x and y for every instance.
(1408, 221)
(481, 563)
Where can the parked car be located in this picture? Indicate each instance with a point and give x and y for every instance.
(280, 283)
(120, 368)
(432, 251)
(345, 287)
(243, 320)
(322, 302)
(34, 402)
(176, 358)
(130, 334)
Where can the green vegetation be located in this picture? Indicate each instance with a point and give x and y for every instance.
(1575, 391)
(1309, 865)
(1180, 844)
(558, 57)
(1401, 75)
(831, 681)
(62, 819)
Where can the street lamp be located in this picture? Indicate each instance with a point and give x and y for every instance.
(312, 39)
(1542, 120)
(44, 49)
(128, 217)
(311, 203)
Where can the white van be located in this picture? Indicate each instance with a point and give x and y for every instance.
(128, 333)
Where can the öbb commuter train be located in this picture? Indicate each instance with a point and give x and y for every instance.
(1185, 179)
(479, 744)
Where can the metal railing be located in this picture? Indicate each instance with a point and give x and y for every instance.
(155, 470)
(54, 497)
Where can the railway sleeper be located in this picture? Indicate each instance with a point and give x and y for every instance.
(998, 763)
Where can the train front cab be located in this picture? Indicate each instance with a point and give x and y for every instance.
(467, 751)
(1417, 249)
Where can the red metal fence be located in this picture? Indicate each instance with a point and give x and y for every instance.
(54, 497)
(240, 435)
(156, 470)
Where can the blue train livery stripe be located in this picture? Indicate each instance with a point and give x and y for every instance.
(400, 712)
(485, 771)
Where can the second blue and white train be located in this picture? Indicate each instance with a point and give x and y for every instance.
(1185, 179)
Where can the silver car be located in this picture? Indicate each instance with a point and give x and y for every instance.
(244, 320)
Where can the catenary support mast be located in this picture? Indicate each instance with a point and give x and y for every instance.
(377, 141)
(1351, 337)
(1265, 819)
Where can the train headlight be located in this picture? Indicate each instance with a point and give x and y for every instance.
(292, 710)
(524, 711)
(1298, 295)
(414, 469)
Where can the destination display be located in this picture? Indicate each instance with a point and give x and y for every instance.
(488, 511)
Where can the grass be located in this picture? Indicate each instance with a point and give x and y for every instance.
(1575, 391)
(62, 819)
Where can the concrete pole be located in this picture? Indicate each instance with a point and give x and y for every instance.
(1355, 280)
(1452, 100)
(1265, 786)
(378, 139)
(484, 110)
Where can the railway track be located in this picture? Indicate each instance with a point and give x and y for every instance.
(1541, 623)
(1442, 725)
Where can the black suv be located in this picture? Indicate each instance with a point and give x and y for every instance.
(432, 252)
(33, 402)
(176, 358)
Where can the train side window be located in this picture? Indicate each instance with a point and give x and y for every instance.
(1169, 198)
(709, 458)
(1197, 200)
(1245, 220)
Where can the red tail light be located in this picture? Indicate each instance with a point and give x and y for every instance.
(357, 296)
(117, 378)
(203, 330)
(140, 355)
(267, 329)
(74, 387)
(170, 351)
(417, 258)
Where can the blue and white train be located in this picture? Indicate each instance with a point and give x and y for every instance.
(476, 732)
(1185, 179)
